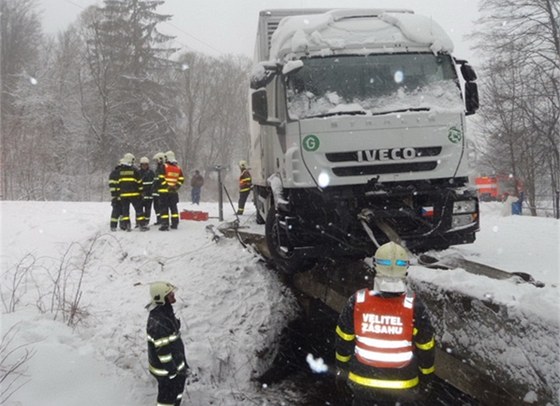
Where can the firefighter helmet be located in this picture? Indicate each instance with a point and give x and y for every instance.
(144, 160)
(159, 290)
(159, 157)
(391, 263)
(170, 156)
(243, 164)
(128, 158)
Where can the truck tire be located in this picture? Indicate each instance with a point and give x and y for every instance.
(286, 262)
(258, 206)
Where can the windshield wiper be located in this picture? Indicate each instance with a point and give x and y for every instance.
(340, 113)
(401, 111)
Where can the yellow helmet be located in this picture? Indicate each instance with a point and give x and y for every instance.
(391, 263)
(243, 164)
(158, 291)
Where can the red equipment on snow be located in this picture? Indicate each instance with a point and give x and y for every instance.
(194, 215)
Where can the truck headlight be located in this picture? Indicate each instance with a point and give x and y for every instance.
(464, 206)
(462, 220)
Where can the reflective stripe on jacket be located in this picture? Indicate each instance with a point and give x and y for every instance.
(170, 178)
(245, 181)
(166, 352)
(129, 182)
(381, 342)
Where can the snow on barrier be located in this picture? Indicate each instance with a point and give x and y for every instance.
(516, 348)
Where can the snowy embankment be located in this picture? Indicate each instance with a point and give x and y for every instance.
(231, 307)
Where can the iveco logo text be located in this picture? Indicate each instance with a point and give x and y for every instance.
(386, 154)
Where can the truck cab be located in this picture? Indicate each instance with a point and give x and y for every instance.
(359, 120)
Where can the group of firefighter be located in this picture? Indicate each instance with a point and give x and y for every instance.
(141, 187)
(385, 346)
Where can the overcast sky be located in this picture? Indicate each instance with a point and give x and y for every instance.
(218, 27)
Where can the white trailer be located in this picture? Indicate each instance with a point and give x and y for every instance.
(359, 128)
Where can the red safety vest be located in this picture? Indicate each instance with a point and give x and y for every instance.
(172, 175)
(383, 327)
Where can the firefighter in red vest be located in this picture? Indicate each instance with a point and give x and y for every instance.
(170, 179)
(245, 186)
(385, 347)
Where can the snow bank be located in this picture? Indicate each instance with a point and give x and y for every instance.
(509, 329)
(231, 307)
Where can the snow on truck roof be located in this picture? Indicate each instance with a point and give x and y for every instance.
(357, 31)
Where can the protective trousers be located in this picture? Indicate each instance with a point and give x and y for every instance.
(168, 203)
(242, 200)
(125, 205)
(170, 391)
(115, 213)
(147, 209)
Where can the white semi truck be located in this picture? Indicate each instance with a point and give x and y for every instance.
(358, 134)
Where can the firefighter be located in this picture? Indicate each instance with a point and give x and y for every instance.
(245, 186)
(130, 192)
(115, 200)
(159, 159)
(385, 347)
(166, 352)
(170, 179)
(147, 176)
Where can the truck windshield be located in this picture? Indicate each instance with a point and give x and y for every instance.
(373, 84)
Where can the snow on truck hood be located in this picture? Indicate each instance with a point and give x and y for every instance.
(337, 30)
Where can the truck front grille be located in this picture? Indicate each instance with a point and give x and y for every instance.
(353, 156)
(385, 168)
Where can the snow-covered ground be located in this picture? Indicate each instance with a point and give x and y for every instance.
(230, 305)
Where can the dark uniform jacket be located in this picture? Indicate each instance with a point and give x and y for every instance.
(369, 377)
(147, 176)
(166, 352)
(114, 183)
(130, 182)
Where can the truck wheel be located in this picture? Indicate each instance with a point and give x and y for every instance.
(259, 218)
(275, 239)
(258, 206)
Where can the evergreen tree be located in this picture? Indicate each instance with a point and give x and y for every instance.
(129, 64)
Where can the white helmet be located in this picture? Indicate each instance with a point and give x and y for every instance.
(144, 160)
(391, 263)
(128, 158)
(170, 156)
(159, 157)
(159, 290)
(243, 164)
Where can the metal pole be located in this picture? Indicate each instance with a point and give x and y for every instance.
(557, 204)
(220, 195)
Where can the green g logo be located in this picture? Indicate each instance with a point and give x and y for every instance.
(311, 143)
(455, 135)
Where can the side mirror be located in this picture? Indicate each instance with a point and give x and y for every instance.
(259, 106)
(468, 72)
(262, 74)
(471, 97)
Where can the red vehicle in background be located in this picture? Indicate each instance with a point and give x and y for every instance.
(496, 188)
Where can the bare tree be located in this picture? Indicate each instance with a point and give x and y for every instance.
(521, 91)
(20, 32)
